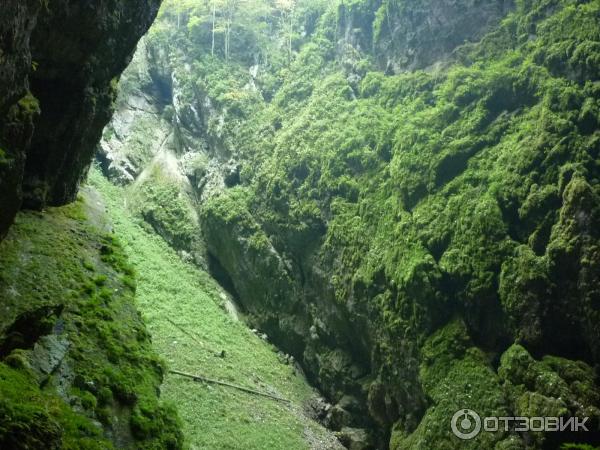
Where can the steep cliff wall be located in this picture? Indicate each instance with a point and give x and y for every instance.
(419, 34)
(17, 20)
(59, 62)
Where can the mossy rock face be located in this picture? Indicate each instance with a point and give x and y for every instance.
(247, 258)
(574, 260)
(455, 376)
(26, 424)
(474, 196)
(77, 369)
(524, 289)
(15, 135)
(419, 44)
(68, 54)
(551, 387)
(162, 202)
(17, 19)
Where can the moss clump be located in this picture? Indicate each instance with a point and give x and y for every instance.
(524, 289)
(32, 418)
(552, 387)
(29, 104)
(572, 382)
(23, 417)
(455, 375)
(25, 109)
(149, 421)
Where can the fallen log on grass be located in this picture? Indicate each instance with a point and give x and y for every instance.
(220, 354)
(204, 379)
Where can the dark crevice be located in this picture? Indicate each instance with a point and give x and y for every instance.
(28, 328)
(218, 272)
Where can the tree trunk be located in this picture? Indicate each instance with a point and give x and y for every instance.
(290, 29)
(214, 20)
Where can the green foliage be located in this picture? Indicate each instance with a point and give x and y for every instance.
(225, 84)
(240, 29)
(213, 417)
(161, 204)
(86, 276)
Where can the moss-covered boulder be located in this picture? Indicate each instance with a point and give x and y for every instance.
(551, 387)
(456, 376)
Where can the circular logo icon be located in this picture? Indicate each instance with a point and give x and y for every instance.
(466, 424)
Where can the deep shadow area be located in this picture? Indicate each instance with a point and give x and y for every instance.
(218, 272)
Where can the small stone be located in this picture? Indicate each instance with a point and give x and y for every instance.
(355, 438)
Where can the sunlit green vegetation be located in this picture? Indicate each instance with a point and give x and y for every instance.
(216, 346)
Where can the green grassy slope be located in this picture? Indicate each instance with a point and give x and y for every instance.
(214, 417)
